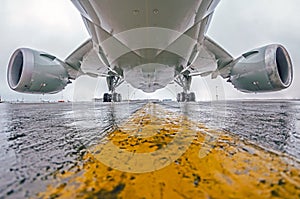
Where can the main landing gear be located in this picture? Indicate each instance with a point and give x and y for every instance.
(186, 97)
(185, 82)
(113, 82)
(115, 97)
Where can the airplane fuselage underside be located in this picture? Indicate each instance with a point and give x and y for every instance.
(146, 42)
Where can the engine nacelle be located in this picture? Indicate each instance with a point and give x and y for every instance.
(262, 70)
(30, 71)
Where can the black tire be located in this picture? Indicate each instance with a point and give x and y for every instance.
(116, 97)
(178, 97)
(192, 97)
(181, 97)
(107, 97)
(119, 97)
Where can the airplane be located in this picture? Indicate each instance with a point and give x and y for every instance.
(150, 44)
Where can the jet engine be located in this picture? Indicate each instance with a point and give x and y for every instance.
(31, 71)
(262, 70)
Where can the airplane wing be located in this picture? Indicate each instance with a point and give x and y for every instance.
(85, 60)
(211, 57)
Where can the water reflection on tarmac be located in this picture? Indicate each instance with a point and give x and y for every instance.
(42, 144)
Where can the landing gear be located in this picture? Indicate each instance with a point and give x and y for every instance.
(184, 80)
(186, 97)
(115, 97)
(107, 97)
(113, 82)
(181, 97)
(191, 97)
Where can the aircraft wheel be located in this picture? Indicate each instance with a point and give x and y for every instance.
(120, 97)
(181, 97)
(116, 97)
(178, 97)
(191, 97)
(107, 97)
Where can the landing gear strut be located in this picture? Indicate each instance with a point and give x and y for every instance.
(185, 82)
(113, 82)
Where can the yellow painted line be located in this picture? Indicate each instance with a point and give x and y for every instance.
(139, 160)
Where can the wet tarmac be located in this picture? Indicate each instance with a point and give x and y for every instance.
(150, 150)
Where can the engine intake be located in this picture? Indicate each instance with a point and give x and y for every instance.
(31, 71)
(262, 70)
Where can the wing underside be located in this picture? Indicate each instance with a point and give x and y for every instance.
(210, 58)
(86, 60)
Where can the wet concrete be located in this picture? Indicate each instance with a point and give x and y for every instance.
(194, 151)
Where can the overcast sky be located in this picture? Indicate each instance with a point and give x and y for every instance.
(238, 25)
